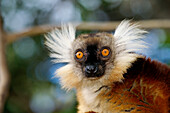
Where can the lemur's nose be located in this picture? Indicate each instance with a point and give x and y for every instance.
(91, 70)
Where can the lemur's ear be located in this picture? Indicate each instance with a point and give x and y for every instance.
(59, 43)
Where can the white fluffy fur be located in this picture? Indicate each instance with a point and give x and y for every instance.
(59, 43)
(89, 95)
(128, 38)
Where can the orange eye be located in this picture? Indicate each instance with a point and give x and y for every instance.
(105, 52)
(79, 55)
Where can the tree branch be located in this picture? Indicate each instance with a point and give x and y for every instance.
(102, 26)
(4, 74)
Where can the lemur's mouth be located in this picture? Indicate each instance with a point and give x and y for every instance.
(93, 76)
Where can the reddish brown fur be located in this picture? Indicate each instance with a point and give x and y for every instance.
(153, 80)
(145, 89)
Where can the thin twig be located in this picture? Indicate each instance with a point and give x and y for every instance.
(102, 26)
(4, 74)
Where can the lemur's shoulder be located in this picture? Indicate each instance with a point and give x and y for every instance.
(149, 69)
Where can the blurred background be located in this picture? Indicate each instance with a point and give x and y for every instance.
(32, 88)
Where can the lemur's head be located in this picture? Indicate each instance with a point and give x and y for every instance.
(99, 58)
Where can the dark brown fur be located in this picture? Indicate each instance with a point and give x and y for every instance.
(156, 75)
(145, 89)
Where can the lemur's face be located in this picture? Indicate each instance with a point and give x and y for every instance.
(94, 54)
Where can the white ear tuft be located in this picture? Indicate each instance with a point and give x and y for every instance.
(59, 42)
(128, 38)
(128, 44)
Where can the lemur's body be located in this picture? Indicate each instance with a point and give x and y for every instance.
(145, 90)
(108, 74)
